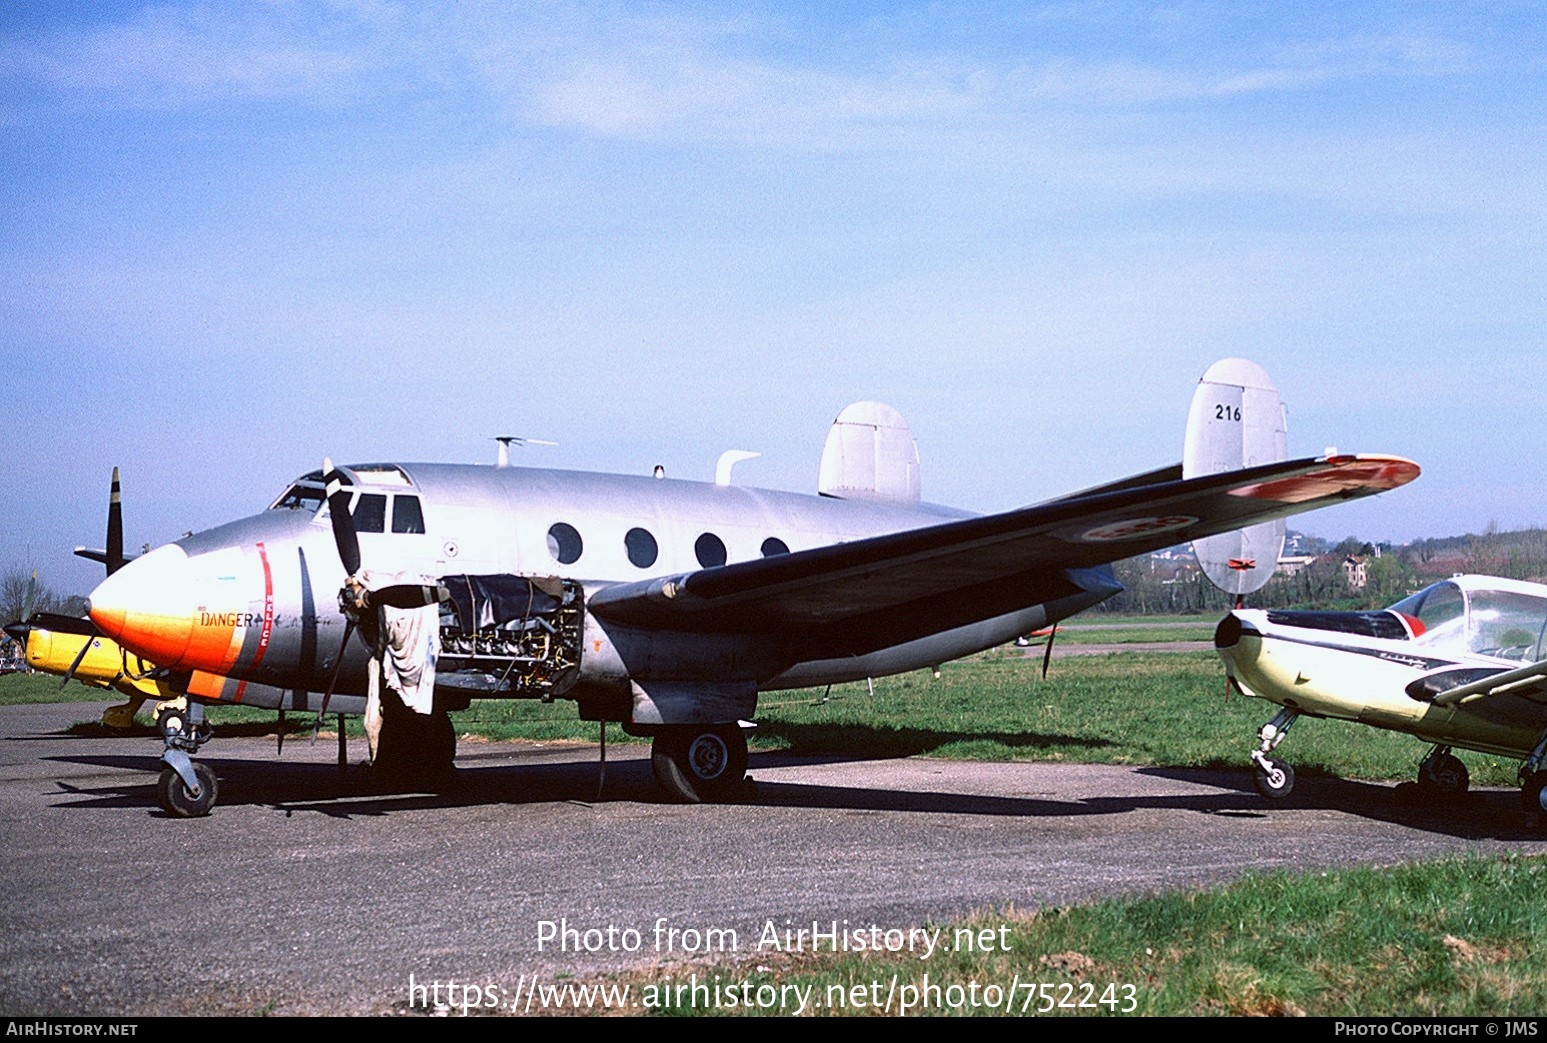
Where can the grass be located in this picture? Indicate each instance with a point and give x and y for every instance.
(44, 688)
(1456, 938)
(1162, 709)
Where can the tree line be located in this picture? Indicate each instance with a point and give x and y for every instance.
(1160, 586)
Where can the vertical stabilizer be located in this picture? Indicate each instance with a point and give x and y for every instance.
(870, 455)
(1236, 421)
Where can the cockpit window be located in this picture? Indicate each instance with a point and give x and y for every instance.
(370, 513)
(1499, 623)
(406, 515)
(1440, 608)
(298, 497)
(1507, 625)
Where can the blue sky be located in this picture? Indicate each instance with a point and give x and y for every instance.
(237, 238)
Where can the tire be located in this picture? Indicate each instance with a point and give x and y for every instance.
(697, 764)
(1445, 774)
(170, 719)
(1278, 781)
(173, 796)
(1531, 792)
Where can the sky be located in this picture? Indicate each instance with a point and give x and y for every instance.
(238, 238)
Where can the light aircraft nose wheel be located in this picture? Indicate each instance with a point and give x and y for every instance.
(1275, 778)
(697, 764)
(177, 800)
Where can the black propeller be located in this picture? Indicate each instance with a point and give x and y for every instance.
(354, 599)
(18, 629)
(113, 558)
(350, 599)
(115, 527)
(344, 535)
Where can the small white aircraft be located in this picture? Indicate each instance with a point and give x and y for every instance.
(662, 604)
(1461, 663)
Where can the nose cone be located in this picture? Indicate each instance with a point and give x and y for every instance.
(148, 606)
(1228, 633)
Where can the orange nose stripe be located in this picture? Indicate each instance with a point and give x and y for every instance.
(162, 639)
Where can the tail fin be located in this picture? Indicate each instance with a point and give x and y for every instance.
(1236, 421)
(870, 455)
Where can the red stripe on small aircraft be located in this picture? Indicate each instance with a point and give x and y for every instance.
(267, 629)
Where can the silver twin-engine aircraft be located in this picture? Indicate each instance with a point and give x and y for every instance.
(404, 590)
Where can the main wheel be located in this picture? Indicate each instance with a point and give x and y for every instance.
(1444, 774)
(697, 764)
(1532, 792)
(1277, 781)
(169, 719)
(173, 796)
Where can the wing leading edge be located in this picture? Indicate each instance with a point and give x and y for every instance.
(977, 568)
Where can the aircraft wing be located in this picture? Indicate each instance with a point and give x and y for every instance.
(865, 594)
(1476, 687)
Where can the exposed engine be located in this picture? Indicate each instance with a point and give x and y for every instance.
(512, 636)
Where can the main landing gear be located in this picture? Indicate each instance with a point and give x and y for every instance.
(1443, 773)
(1533, 780)
(185, 789)
(698, 763)
(1441, 776)
(1275, 778)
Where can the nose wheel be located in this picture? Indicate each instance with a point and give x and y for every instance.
(186, 789)
(180, 800)
(1275, 779)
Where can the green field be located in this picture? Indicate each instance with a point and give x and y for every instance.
(1458, 938)
(1151, 708)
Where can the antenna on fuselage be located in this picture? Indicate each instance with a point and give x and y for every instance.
(505, 442)
(729, 459)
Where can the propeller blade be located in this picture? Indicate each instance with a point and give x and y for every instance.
(344, 535)
(1047, 652)
(62, 624)
(115, 527)
(338, 662)
(79, 657)
(31, 598)
(409, 595)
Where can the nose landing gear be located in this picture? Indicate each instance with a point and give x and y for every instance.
(1275, 778)
(185, 789)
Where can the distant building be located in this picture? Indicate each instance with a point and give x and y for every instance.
(1355, 573)
(1293, 564)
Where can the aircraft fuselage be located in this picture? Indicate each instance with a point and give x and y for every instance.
(255, 599)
